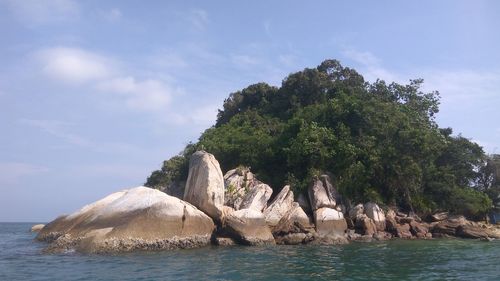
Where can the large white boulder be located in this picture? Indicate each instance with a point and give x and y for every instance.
(329, 222)
(248, 226)
(140, 218)
(205, 184)
(281, 204)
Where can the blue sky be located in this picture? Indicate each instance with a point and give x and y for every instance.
(94, 95)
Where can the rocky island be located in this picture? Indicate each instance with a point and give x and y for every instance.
(333, 159)
(236, 209)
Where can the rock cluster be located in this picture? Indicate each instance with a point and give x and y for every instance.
(235, 209)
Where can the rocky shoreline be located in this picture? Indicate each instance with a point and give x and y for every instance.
(234, 209)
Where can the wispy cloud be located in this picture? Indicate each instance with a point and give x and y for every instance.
(113, 15)
(463, 85)
(198, 19)
(456, 85)
(201, 117)
(56, 128)
(13, 172)
(245, 60)
(371, 66)
(74, 65)
(267, 27)
(36, 12)
(63, 131)
(147, 95)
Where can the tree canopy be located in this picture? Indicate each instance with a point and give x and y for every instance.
(379, 141)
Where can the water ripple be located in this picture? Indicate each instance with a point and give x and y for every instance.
(454, 259)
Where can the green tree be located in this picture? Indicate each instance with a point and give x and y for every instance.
(380, 142)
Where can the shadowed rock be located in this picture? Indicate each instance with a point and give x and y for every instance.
(237, 182)
(374, 212)
(136, 219)
(356, 211)
(305, 204)
(365, 225)
(294, 221)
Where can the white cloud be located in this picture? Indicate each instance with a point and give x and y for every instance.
(35, 12)
(198, 19)
(13, 172)
(61, 130)
(148, 95)
(74, 65)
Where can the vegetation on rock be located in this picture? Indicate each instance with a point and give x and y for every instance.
(380, 142)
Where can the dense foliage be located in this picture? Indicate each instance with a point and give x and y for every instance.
(379, 141)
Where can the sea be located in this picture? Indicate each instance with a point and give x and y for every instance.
(21, 258)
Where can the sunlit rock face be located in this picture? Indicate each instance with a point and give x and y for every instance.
(140, 218)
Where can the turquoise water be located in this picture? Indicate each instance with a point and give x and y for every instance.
(20, 259)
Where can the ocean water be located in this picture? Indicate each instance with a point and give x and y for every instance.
(444, 259)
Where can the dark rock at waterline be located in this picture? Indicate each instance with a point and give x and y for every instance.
(365, 225)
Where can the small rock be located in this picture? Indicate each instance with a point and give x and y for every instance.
(292, 239)
(365, 225)
(374, 212)
(382, 236)
(224, 241)
(37, 227)
(439, 216)
(403, 231)
(356, 211)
